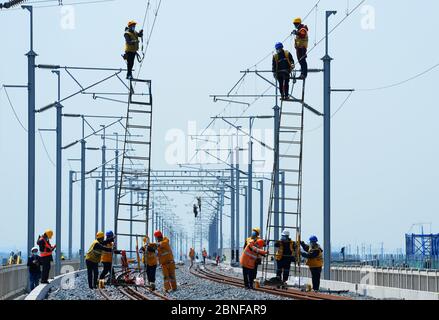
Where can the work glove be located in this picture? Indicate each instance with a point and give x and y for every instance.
(294, 32)
(141, 33)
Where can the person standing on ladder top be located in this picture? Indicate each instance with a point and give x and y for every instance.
(314, 260)
(131, 46)
(284, 256)
(283, 64)
(46, 250)
(93, 257)
(166, 260)
(248, 261)
(254, 237)
(301, 45)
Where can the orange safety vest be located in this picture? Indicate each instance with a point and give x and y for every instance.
(151, 256)
(165, 252)
(204, 253)
(250, 255)
(192, 253)
(47, 251)
(107, 256)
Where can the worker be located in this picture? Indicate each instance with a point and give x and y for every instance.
(254, 237)
(283, 64)
(46, 250)
(93, 257)
(131, 46)
(107, 257)
(284, 256)
(204, 254)
(192, 256)
(314, 260)
(248, 261)
(166, 260)
(151, 263)
(34, 264)
(301, 45)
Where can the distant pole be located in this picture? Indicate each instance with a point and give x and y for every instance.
(327, 155)
(152, 217)
(131, 219)
(250, 180)
(282, 175)
(237, 238)
(245, 211)
(275, 207)
(261, 206)
(58, 200)
(31, 55)
(232, 209)
(116, 176)
(97, 206)
(71, 173)
(83, 146)
(103, 180)
(221, 222)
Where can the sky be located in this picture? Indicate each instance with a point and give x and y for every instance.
(384, 150)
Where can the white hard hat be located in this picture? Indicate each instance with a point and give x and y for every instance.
(286, 233)
(34, 248)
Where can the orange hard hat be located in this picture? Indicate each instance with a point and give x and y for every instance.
(131, 23)
(158, 234)
(260, 243)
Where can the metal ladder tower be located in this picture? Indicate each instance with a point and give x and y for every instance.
(135, 174)
(285, 207)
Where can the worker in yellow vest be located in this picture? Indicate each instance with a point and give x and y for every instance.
(131, 46)
(314, 260)
(93, 257)
(107, 257)
(282, 66)
(166, 260)
(150, 261)
(301, 45)
(286, 249)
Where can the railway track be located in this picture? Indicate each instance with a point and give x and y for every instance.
(289, 293)
(132, 292)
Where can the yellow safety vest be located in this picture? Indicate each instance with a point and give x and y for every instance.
(133, 37)
(287, 57)
(93, 255)
(302, 42)
(107, 256)
(316, 262)
(280, 251)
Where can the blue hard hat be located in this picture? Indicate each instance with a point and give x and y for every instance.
(313, 239)
(279, 45)
(109, 234)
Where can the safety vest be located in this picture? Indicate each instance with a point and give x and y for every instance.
(107, 256)
(47, 248)
(151, 256)
(316, 262)
(301, 40)
(165, 252)
(93, 255)
(192, 253)
(250, 255)
(287, 58)
(280, 252)
(132, 47)
(204, 253)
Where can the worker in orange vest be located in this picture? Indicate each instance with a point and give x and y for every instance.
(192, 256)
(150, 260)
(46, 250)
(107, 257)
(204, 253)
(248, 261)
(166, 260)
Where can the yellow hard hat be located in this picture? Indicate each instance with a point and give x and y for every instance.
(49, 233)
(100, 235)
(132, 23)
(297, 20)
(258, 230)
